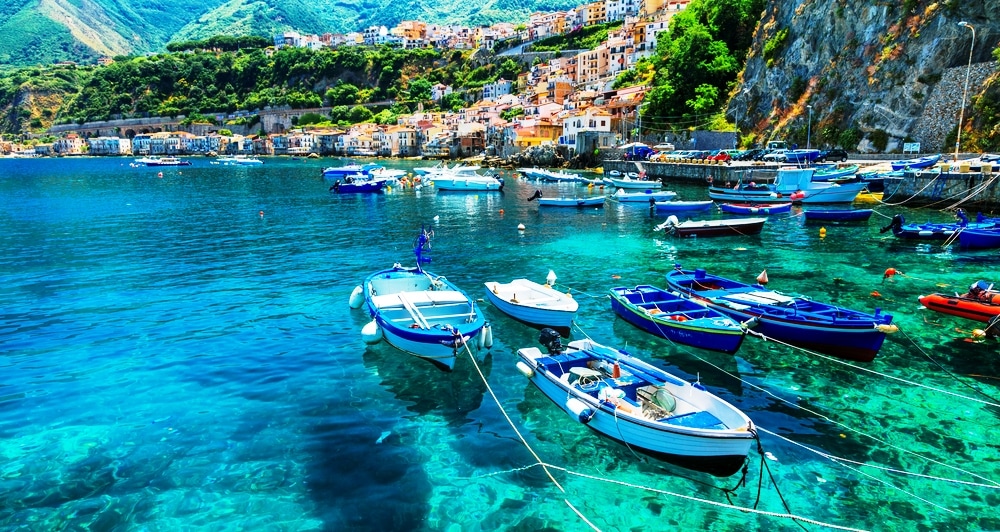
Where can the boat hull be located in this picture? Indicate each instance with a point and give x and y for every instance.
(719, 449)
(679, 320)
(964, 307)
(854, 215)
(683, 206)
(633, 184)
(820, 327)
(710, 228)
(571, 202)
(423, 314)
(755, 209)
(534, 304)
(979, 239)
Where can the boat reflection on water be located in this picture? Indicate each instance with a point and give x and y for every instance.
(425, 387)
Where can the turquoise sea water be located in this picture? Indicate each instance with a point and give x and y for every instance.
(177, 352)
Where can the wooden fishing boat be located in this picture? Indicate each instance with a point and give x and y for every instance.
(677, 319)
(756, 208)
(980, 303)
(633, 183)
(594, 201)
(936, 231)
(797, 320)
(421, 313)
(623, 195)
(837, 215)
(703, 228)
(917, 163)
(535, 304)
(640, 405)
(791, 183)
(682, 206)
(987, 238)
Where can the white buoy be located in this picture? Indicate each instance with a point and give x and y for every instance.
(357, 297)
(437, 219)
(524, 369)
(371, 333)
(551, 278)
(488, 335)
(520, 227)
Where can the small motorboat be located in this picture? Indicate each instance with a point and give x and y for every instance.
(539, 305)
(980, 303)
(667, 315)
(796, 320)
(987, 238)
(683, 206)
(756, 208)
(837, 215)
(640, 405)
(633, 182)
(918, 163)
(623, 195)
(703, 228)
(421, 313)
(593, 201)
(936, 231)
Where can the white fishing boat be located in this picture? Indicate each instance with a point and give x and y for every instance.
(465, 182)
(645, 196)
(634, 183)
(644, 407)
(536, 304)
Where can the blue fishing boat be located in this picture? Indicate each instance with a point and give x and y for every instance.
(980, 238)
(796, 320)
(681, 320)
(936, 231)
(917, 163)
(640, 405)
(421, 313)
(837, 215)
(682, 206)
(756, 208)
(832, 173)
(357, 184)
(803, 156)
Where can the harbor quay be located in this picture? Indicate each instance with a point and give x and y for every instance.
(969, 184)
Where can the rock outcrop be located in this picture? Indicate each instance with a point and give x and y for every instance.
(892, 71)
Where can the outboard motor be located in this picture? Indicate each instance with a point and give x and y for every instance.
(536, 195)
(979, 289)
(896, 224)
(551, 340)
(963, 220)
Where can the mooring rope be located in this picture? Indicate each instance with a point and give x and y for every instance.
(510, 422)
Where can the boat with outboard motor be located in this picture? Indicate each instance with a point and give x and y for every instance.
(796, 320)
(936, 231)
(421, 313)
(980, 303)
(721, 227)
(791, 183)
(640, 405)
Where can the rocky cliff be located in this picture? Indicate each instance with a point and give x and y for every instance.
(876, 74)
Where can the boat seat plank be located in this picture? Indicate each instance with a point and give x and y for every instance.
(696, 420)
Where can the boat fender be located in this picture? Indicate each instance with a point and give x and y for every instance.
(887, 328)
(525, 369)
(357, 297)
(579, 410)
(488, 339)
(371, 333)
(481, 338)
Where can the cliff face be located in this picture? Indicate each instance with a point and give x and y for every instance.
(875, 73)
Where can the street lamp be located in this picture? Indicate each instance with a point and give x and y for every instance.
(961, 110)
(809, 126)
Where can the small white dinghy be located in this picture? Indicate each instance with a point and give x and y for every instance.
(535, 304)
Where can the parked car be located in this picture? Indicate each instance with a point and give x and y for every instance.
(750, 155)
(835, 154)
(775, 156)
(724, 155)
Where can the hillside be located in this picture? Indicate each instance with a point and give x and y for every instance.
(45, 31)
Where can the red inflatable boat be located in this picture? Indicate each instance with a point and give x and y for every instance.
(981, 303)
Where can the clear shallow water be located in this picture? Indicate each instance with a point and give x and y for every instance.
(171, 359)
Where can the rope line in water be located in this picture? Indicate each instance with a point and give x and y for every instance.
(879, 467)
(510, 422)
(992, 484)
(942, 368)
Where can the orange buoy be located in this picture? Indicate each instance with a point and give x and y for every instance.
(616, 370)
(876, 294)
(501, 212)
(889, 272)
(762, 278)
